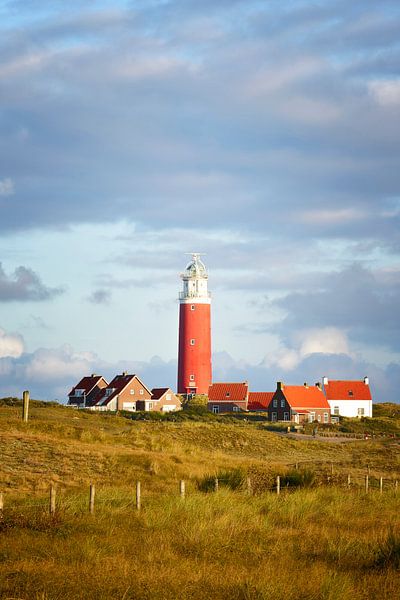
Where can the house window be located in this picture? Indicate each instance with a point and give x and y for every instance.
(79, 392)
(168, 397)
(311, 417)
(131, 392)
(191, 377)
(336, 410)
(150, 406)
(360, 412)
(275, 402)
(326, 417)
(274, 416)
(286, 416)
(109, 391)
(215, 410)
(282, 402)
(192, 342)
(141, 392)
(192, 307)
(351, 393)
(319, 418)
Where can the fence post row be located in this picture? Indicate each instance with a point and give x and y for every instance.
(25, 406)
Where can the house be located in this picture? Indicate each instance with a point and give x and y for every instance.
(124, 392)
(84, 393)
(163, 400)
(348, 398)
(228, 397)
(299, 403)
(259, 401)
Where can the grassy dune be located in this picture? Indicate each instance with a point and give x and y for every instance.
(322, 543)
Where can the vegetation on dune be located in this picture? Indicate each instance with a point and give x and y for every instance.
(315, 540)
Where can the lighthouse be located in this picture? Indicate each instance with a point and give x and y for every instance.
(194, 353)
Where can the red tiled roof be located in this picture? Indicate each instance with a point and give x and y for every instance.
(300, 396)
(87, 384)
(157, 393)
(228, 392)
(259, 400)
(347, 390)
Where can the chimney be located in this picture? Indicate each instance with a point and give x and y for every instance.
(305, 384)
(124, 373)
(366, 380)
(318, 385)
(279, 385)
(325, 380)
(94, 375)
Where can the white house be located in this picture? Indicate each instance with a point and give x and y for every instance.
(348, 398)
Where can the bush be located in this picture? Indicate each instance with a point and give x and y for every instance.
(233, 479)
(299, 478)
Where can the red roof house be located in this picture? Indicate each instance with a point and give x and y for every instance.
(124, 392)
(84, 393)
(348, 398)
(162, 400)
(299, 403)
(228, 397)
(259, 401)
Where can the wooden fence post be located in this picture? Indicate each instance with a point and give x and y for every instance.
(25, 406)
(1, 505)
(278, 485)
(216, 484)
(92, 491)
(396, 485)
(248, 485)
(366, 483)
(348, 480)
(381, 484)
(182, 488)
(138, 495)
(52, 505)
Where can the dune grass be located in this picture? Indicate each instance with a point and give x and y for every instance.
(322, 542)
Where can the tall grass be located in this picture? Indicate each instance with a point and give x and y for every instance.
(317, 543)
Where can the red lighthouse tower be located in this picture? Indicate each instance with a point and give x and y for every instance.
(194, 355)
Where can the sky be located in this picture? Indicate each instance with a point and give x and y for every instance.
(265, 135)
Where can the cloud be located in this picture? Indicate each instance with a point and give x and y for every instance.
(357, 300)
(24, 285)
(387, 92)
(100, 297)
(6, 187)
(10, 344)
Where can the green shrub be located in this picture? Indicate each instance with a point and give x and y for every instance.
(232, 479)
(299, 478)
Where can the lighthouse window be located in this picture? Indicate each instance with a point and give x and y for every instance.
(192, 307)
(191, 378)
(192, 342)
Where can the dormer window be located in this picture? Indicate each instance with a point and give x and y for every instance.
(351, 393)
(227, 394)
(109, 391)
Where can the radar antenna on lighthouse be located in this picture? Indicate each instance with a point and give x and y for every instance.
(194, 353)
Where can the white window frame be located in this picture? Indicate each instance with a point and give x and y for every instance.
(361, 411)
(326, 417)
(215, 409)
(283, 403)
(336, 410)
(141, 391)
(274, 417)
(236, 409)
(132, 392)
(286, 416)
(275, 403)
(192, 307)
(191, 377)
(192, 341)
(311, 417)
